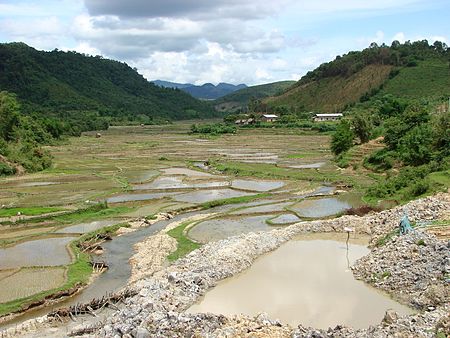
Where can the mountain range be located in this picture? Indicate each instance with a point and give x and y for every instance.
(207, 91)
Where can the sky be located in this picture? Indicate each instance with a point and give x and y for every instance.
(199, 41)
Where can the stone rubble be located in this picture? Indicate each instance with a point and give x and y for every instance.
(413, 268)
(410, 267)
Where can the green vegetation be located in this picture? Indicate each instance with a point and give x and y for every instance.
(409, 70)
(184, 246)
(95, 211)
(263, 170)
(32, 211)
(237, 100)
(342, 139)
(233, 200)
(87, 92)
(22, 137)
(213, 129)
(386, 238)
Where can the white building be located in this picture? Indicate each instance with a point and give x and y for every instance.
(269, 117)
(327, 117)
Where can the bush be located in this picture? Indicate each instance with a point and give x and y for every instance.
(6, 170)
(213, 129)
(342, 138)
(382, 159)
(362, 210)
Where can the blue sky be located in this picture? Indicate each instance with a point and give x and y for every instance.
(232, 41)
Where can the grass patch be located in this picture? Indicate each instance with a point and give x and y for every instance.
(386, 238)
(32, 211)
(78, 272)
(184, 246)
(233, 200)
(294, 156)
(92, 213)
(96, 211)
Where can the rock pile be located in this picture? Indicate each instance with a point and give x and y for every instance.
(412, 267)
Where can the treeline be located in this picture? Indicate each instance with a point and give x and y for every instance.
(399, 55)
(76, 86)
(417, 144)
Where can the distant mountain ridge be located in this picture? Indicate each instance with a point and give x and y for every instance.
(207, 91)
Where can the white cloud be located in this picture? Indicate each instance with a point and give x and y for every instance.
(400, 37)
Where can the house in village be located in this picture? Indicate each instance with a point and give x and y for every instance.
(245, 121)
(327, 117)
(269, 117)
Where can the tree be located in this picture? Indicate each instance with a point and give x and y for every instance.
(416, 146)
(362, 127)
(9, 117)
(342, 138)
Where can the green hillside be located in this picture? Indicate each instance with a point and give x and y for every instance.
(430, 78)
(240, 98)
(66, 83)
(410, 70)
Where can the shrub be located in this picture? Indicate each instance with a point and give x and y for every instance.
(342, 138)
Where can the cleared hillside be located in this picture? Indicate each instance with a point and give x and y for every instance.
(333, 93)
(410, 70)
(242, 97)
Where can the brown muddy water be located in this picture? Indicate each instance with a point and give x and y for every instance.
(285, 219)
(254, 185)
(202, 196)
(216, 229)
(40, 252)
(138, 197)
(324, 207)
(84, 228)
(306, 281)
(177, 182)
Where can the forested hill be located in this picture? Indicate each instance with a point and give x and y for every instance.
(67, 83)
(410, 70)
(240, 98)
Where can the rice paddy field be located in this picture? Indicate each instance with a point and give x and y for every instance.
(137, 172)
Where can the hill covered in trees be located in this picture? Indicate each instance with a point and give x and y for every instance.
(70, 85)
(409, 70)
(241, 98)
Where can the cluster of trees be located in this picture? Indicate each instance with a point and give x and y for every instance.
(406, 54)
(213, 129)
(416, 137)
(21, 138)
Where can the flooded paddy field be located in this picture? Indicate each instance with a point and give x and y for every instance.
(216, 229)
(40, 252)
(140, 171)
(27, 282)
(290, 286)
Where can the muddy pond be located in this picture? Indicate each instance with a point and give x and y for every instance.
(292, 287)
